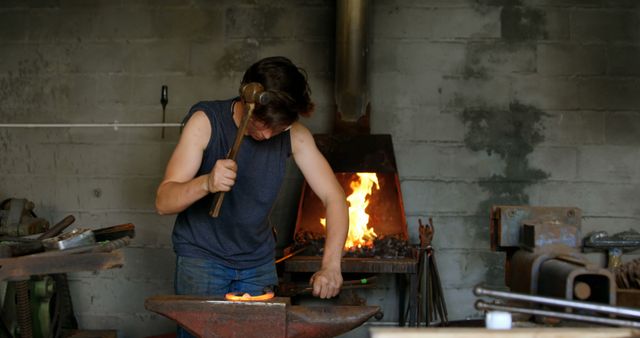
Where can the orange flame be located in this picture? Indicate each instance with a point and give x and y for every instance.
(359, 234)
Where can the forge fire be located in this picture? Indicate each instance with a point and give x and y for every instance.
(369, 197)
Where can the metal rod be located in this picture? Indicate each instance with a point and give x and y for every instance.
(279, 260)
(114, 125)
(481, 305)
(621, 311)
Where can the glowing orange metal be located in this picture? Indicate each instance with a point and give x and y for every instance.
(243, 297)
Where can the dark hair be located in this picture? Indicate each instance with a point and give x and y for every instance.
(286, 84)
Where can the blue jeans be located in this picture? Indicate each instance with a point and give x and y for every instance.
(202, 277)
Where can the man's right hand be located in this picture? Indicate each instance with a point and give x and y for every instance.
(223, 176)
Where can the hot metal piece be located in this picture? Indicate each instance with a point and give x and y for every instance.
(214, 317)
(239, 296)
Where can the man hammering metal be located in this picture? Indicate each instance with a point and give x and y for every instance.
(234, 250)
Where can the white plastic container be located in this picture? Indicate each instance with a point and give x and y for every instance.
(498, 320)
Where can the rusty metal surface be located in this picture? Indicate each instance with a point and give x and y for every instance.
(556, 274)
(216, 317)
(628, 298)
(558, 278)
(507, 221)
(543, 236)
(352, 264)
(275, 318)
(523, 274)
(328, 321)
(90, 258)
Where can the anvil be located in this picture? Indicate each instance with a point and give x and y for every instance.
(209, 317)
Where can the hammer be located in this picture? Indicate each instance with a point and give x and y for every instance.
(250, 94)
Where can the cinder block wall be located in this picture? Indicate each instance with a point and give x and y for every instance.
(513, 101)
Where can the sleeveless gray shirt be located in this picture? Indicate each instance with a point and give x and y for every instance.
(241, 236)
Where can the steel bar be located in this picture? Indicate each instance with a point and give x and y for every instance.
(615, 310)
(285, 257)
(442, 306)
(481, 305)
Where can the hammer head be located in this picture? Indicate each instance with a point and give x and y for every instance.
(253, 92)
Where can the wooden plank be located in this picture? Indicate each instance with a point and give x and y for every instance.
(19, 268)
(595, 332)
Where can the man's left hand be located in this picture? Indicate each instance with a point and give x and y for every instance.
(326, 282)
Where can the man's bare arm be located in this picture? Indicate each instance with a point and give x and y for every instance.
(180, 188)
(320, 177)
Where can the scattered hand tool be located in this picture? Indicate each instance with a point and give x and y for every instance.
(250, 94)
(294, 289)
(58, 228)
(115, 232)
(20, 246)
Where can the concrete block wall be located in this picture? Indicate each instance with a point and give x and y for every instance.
(491, 101)
(518, 102)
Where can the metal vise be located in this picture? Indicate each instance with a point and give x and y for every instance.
(544, 255)
(17, 218)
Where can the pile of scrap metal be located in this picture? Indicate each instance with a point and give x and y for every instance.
(545, 260)
(34, 259)
(627, 275)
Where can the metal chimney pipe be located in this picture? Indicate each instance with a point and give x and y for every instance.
(351, 87)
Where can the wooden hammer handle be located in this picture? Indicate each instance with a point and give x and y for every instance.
(219, 196)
